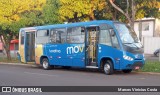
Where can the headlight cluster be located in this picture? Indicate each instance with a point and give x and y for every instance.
(127, 58)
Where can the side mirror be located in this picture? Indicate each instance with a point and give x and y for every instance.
(112, 32)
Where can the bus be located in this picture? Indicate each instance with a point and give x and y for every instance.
(103, 44)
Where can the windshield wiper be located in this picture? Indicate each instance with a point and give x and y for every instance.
(127, 43)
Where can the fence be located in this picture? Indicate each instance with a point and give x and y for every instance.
(151, 44)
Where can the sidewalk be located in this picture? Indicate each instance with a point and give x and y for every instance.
(151, 57)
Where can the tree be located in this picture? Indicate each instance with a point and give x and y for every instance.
(50, 12)
(10, 11)
(147, 8)
(136, 9)
(130, 16)
(81, 10)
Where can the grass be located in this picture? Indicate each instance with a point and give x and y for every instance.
(151, 66)
(13, 60)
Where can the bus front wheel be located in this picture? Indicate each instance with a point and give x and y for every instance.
(45, 64)
(108, 67)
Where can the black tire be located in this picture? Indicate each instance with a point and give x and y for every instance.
(127, 71)
(108, 67)
(45, 64)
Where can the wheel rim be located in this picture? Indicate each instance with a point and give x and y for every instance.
(107, 68)
(45, 64)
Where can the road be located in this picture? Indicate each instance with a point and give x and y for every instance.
(30, 75)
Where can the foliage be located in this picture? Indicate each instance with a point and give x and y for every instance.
(10, 11)
(130, 10)
(143, 8)
(81, 10)
(50, 12)
(148, 8)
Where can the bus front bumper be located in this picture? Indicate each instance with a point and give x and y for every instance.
(136, 65)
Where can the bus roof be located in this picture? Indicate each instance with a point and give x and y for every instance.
(89, 23)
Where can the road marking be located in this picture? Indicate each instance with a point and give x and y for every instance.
(40, 74)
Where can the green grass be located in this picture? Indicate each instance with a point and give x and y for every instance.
(13, 60)
(151, 66)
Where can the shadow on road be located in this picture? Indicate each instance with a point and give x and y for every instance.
(84, 70)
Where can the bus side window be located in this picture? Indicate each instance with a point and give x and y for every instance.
(54, 38)
(22, 37)
(105, 38)
(104, 35)
(58, 36)
(115, 43)
(42, 36)
(75, 35)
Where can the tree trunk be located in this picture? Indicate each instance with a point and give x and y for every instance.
(114, 15)
(133, 13)
(6, 46)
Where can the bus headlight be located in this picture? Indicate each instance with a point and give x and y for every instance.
(127, 58)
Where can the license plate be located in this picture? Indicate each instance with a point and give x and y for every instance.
(137, 68)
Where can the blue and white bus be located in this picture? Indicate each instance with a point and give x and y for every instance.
(102, 44)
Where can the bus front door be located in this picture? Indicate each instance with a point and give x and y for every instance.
(91, 46)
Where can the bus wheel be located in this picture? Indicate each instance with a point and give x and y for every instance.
(108, 67)
(45, 64)
(127, 71)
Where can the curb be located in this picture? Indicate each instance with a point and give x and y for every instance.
(151, 73)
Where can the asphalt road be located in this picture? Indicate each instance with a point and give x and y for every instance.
(29, 75)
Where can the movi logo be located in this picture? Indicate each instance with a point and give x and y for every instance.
(75, 49)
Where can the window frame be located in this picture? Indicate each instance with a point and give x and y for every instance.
(53, 29)
(79, 35)
(22, 34)
(37, 37)
(107, 28)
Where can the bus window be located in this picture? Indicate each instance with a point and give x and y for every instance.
(55, 37)
(105, 38)
(58, 36)
(42, 36)
(75, 35)
(22, 37)
(114, 40)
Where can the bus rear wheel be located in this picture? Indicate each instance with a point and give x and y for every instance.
(45, 64)
(108, 67)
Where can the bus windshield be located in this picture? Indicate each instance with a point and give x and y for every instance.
(127, 35)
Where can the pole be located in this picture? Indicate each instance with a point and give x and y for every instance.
(140, 30)
(159, 54)
(15, 50)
